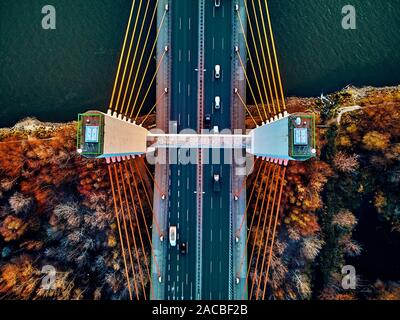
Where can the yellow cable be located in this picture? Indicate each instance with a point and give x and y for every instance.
(251, 62)
(127, 59)
(142, 55)
(269, 55)
(152, 109)
(263, 56)
(258, 58)
(276, 58)
(135, 53)
(248, 83)
(122, 54)
(148, 64)
(150, 84)
(247, 109)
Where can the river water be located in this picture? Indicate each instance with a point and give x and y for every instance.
(53, 75)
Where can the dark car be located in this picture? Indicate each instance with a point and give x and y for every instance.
(207, 121)
(216, 182)
(183, 248)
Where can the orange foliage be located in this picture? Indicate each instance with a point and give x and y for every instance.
(13, 228)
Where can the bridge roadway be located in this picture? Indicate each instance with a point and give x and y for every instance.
(216, 205)
(180, 270)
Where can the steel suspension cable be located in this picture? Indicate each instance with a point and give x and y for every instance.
(263, 56)
(249, 85)
(271, 209)
(137, 224)
(250, 197)
(122, 55)
(149, 85)
(124, 223)
(273, 233)
(146, 69)
(147, 196)
(251, 61)
(152, 177)
(153, 107)
(120, 236)
(275, 55)
(269, 53)
(267, 165)
(245, 180)
(247, 109)
(268, 186)
(148, 61)
(129, 55)
(144, 219)
(258, 58)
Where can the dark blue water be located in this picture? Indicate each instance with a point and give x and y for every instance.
(53, 75)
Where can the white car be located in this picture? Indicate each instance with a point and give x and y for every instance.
(172, 236)
(217, 104)
(217, 3)
(217, 71)
(216, 129)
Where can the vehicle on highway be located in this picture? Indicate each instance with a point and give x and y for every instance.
(217, 104)
(216, 129)
(217, 71)
(217, 3)
(172, 236)
(217, 182)
(207, 121)
(184, 248)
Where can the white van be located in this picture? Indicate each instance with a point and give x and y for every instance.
(172, 236)
(217, 71)
(217, 104)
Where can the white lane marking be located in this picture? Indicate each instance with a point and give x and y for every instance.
(211, 202)
(187, 183)
(211, 235)
(223, 43)
(187, 215)
(220, 267)
(188, 89)
(188, 119)
(187, 278)
(211, 269)
(180, 55)
(180, 23)
(179, 87)
(220, 235)
(213, 42)
(189, 55)
(190, 23)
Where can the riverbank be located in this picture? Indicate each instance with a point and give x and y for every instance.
(56, 208)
